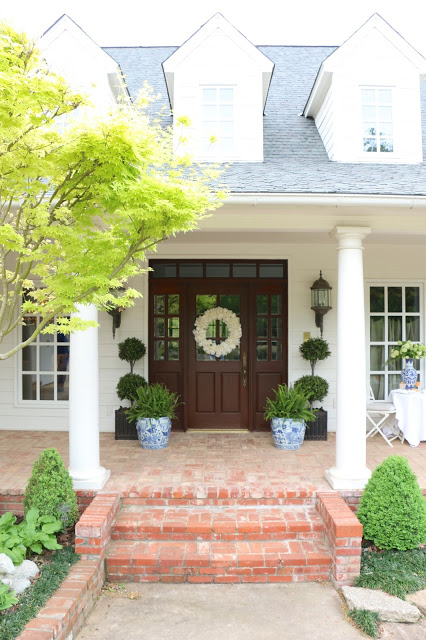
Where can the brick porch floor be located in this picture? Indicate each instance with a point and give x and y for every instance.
(199, 460)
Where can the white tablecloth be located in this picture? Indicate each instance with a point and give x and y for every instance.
(411, 414)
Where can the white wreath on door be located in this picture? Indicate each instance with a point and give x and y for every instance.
(234, 328)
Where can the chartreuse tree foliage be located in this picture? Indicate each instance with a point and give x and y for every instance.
(392, 508)
(81, 198)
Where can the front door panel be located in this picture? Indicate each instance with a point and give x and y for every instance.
(217, 396)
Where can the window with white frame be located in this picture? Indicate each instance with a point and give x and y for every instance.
(217, 120)
(395, 314)
(377, 120)
(44, 364)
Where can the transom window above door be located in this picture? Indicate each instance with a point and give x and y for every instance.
(244, 269)
(395, 314)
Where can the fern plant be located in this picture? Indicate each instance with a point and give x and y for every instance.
(153, 401)
(290, 404)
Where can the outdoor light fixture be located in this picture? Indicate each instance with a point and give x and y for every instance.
(116, 311)
(320, 300)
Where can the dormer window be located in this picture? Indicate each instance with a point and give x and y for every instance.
(377, 120)
(217, 120)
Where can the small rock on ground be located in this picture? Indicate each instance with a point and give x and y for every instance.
(389, 608)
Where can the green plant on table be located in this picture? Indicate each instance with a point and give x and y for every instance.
(50, 486)
(407, 349)
(289, 403)
(392, 508)
(153, 401)
(7, 597)
(31, 535)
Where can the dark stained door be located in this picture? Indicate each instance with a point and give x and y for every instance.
(227, 392)
(217, 387)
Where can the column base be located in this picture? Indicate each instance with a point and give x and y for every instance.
(346, 481)
(92, 479)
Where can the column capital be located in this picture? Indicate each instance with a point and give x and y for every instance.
(350, 237)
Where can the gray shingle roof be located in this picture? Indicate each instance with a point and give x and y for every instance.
(295, 160)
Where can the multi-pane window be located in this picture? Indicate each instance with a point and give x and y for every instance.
(44, 364)
(217, 120)
(377, 125)
(269, 330)
(166, 326)
(394, 315)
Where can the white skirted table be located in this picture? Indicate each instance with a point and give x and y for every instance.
(410, 414)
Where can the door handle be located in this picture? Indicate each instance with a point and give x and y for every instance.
(245, 374)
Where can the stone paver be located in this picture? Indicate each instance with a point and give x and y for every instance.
(199, 459)
(389, 608)
(419, 600)
(231, 612)
(395, 631)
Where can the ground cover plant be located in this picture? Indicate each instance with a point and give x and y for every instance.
(396, 572)
(367, 621)
(18, 541)
(52, 574)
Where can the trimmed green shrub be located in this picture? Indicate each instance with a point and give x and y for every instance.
(128, 385)
(131, 350)
(392, 508)
(50, 488)
(313, 350)
(315, 386)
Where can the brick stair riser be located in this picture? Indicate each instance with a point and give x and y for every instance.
(225, 502)
(217, 537)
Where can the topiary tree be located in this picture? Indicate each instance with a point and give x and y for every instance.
(128, 385)
(50, 489)
(313, 350)
(392, 508)
(315, 386)
(131, 350)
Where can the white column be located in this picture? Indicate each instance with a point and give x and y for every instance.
(85, 468)
(350, 471)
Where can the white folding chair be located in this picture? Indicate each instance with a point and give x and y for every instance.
(378, 413)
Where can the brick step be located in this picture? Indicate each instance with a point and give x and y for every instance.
(217, 523)
(220, 562)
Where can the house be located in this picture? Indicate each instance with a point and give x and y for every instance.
(327, 173)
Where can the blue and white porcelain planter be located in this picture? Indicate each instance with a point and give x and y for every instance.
(409, 374)
(288, 434)
(153, 433)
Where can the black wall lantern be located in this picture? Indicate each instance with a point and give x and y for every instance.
(116, 311)
(320, 300)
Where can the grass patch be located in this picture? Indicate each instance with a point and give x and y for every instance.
(367, 621)
(396, 572)
(33, 599)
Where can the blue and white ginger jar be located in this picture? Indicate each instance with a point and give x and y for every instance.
(154, 433)
(288, 434)
(409, 374)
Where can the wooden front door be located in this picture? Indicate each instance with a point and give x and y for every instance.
(227, 392)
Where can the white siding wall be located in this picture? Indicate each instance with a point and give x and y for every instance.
(219, 61)
(325, 123)
(387, 262)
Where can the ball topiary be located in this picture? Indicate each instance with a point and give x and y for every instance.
(50, 489)
(314, 385)
(131, 350)
(128, 385)
(313, 350)
(392, 508)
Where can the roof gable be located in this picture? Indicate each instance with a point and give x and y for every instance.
(209, 29)
(375, 37)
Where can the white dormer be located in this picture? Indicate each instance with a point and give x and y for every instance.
(219, 81)
(70, 52)
(366, 98)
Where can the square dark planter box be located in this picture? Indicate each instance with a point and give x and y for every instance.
(317, 429)
(124, 430)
